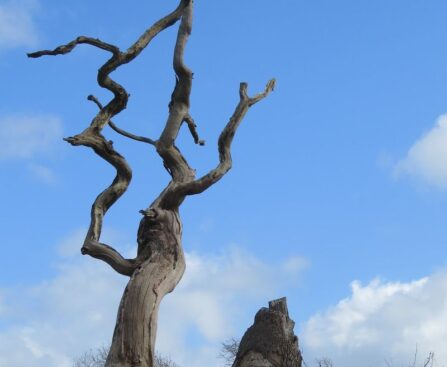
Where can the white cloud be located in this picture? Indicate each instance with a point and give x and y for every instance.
(217, 295)
(49, 323)
(74, 312)
(29, 137)
(427, 158)
(382, 320)
(17, 26)
(43, 173)
(295, 265)
(25, 136)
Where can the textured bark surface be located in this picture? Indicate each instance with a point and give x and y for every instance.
(160, 263)
(270, 341)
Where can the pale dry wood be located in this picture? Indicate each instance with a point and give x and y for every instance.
(91, 137)
(225, 140)
(160, 262)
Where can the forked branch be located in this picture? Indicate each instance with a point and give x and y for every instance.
(225, 140)
(92, 137)
(183, 181)
(119, 102)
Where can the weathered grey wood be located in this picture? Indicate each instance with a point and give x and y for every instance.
(160, 263)
(270, 341)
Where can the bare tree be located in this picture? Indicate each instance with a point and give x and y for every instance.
(228, 351)
(325, 362)
(160, 262)
(98, 357)
(92, 358)
(287, 352)
(161, 361)
(430, 360)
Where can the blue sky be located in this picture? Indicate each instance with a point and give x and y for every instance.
(336, 199)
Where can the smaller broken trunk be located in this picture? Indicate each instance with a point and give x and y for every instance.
(270, 341)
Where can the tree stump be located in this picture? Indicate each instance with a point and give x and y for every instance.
(270, 341)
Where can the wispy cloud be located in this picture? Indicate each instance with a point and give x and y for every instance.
(216, 296)
(22, 137)
(382, 320)
(426, 160)
(210, 302)
(17, 26)
(43, 173)
(51, 322)
(29, 138)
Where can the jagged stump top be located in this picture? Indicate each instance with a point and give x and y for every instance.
(270, 341)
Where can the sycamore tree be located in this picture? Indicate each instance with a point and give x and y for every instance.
(160, 262)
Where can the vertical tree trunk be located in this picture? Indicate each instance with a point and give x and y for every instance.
(159, 239)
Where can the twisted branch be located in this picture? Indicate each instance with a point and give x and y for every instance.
(92, 137)
(94, 140)
(119, 102)
(173, 160)
(183, 181)
(225, 140)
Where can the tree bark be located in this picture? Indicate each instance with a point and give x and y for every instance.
(159, 239)
(160, 263)
(270, 341)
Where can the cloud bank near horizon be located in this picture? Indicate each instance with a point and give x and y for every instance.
(382, 322)
(50, 323)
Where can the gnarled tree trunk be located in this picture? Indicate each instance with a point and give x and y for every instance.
(160, 263)
(159, 239)
(270, 341)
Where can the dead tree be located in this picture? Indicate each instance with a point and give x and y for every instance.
(270, 341)
(160, 262)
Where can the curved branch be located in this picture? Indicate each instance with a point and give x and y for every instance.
(225, 140)
(65, 49)
(169, 20)
(119, 102)
(93, 139)
(173, 160)
(130, 135)
(90, 138)
(110, 256)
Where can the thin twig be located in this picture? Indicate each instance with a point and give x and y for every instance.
(64, 49)
(193, 129)
(415, 356)
(119, 130)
